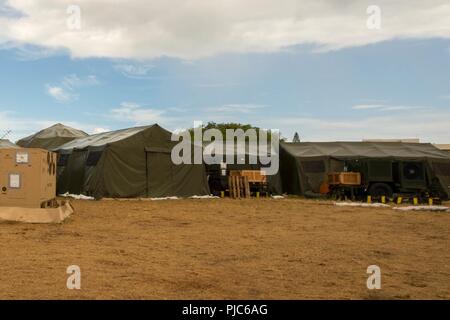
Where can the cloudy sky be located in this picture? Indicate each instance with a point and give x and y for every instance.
(331, 70)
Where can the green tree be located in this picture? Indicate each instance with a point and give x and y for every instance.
(222, 127)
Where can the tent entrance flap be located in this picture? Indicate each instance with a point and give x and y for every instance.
(76, 169)
(159, 174)
(164, 178)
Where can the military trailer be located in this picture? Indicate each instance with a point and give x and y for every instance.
(385, 168)
(28, 186)
(389, 177)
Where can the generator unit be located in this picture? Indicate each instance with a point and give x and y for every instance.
(28, 186)
(380, 177)
(27, 177)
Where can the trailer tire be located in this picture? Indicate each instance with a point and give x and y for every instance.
(380, 189)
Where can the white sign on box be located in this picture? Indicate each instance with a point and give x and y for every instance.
(22, 157)
(14, 180)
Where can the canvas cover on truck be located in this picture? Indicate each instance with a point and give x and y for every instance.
(305, 165)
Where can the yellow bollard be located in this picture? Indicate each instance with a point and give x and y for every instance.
(257, 195)
(369, 199)
(430, 201)
(399, 200)
(383, 199)
(415, 201)
(222, 194)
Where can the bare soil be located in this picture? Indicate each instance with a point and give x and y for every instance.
(228, 249)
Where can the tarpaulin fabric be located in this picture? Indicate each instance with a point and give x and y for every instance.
(52, 137)
(102, 139)
(304, 165)
(134, 162)
(355, 150)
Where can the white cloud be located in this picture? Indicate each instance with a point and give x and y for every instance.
(382, 107)
(134, 71)
(178, 109)
(132, 112)
(427, 126)
(25, 52)
(236, 108)
(147, 29)
(100, 130)
(367, 106)
(60, 94)
(423, 124)
(66, 91)
(216, 85)
(72, 81)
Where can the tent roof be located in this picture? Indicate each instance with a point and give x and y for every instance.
(445, 147)
(57, 130)
(233, 148)
(7, 144)
(102, 139)
(349, 150)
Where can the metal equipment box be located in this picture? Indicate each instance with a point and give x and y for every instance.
(344, 178)
(27, 178)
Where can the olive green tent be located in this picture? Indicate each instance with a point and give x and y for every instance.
(7, 144)
(305, 165)
(134, 162)
(52, 137)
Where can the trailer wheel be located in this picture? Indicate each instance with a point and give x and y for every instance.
(380, 189)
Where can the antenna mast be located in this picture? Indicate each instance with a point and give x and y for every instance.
(5, 134)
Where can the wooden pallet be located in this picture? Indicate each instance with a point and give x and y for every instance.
(254, 176)
(239, 187)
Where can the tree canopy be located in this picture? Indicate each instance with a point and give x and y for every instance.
(222, 127)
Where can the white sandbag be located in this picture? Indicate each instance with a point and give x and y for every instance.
(76, 196)
(423, 208)
(204, 197)
(361, 204)
(164, 198)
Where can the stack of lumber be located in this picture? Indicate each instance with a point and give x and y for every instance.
(239, 187)
(254, 176)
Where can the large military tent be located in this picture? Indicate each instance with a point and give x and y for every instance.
(52, 137)
(134, 162)
(304, 165)
(7, 144)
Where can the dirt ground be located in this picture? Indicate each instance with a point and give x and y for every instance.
(228, 249)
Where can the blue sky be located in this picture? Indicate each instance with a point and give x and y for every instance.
(394, 88)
